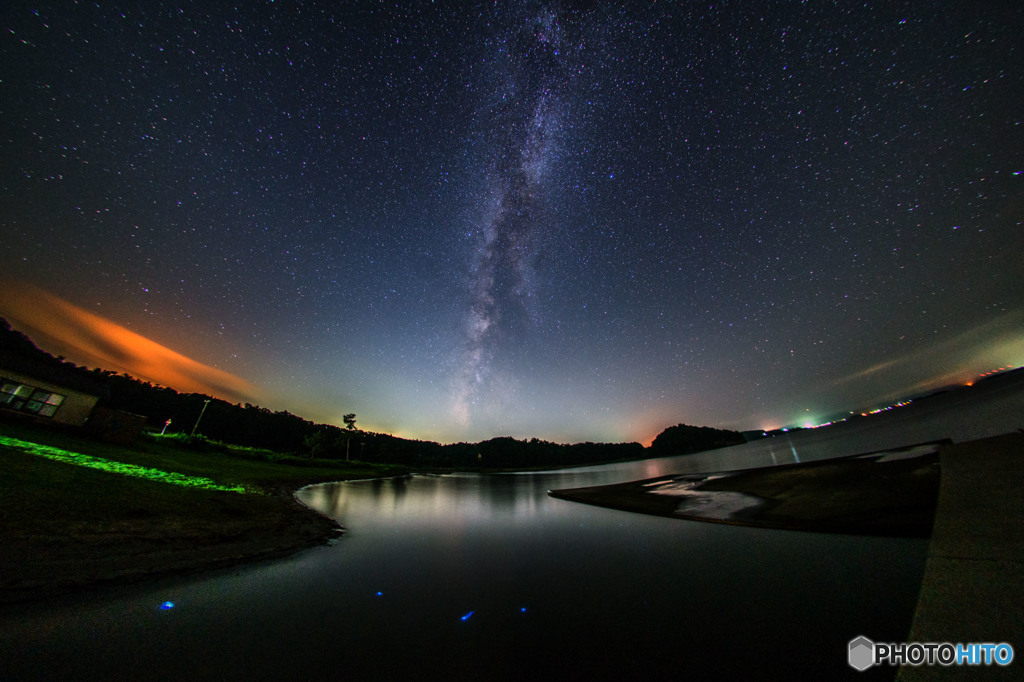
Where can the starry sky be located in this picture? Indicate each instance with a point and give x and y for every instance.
(572, 221)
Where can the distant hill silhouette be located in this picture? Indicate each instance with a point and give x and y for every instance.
(255, 426)
(683, 440)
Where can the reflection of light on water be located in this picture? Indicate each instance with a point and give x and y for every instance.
(652, 468)
(715, 505)
(425, 499)
(711, 504)
(792, 450)
(458, 503)
(678, 486)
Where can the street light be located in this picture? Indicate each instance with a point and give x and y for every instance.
(205, 405)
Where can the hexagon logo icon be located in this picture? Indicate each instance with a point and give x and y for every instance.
(861, 653)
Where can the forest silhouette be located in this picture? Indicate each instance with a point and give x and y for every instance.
(258, 427)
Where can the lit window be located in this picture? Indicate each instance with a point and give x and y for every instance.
(29, 399)
(44, 403)
(14, 395)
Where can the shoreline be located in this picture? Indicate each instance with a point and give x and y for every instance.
(77, 559)
(886, 493)
(42, 568)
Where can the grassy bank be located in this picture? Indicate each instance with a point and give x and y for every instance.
(67, 520)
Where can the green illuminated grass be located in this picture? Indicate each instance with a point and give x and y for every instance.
(123, 468)
(64, 526)
(227, 465)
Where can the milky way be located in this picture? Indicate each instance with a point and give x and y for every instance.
(564, 220)
(526, 113)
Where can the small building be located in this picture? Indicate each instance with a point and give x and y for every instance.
(48, 391)
(115, 426)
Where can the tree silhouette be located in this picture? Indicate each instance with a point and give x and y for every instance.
(350, 424)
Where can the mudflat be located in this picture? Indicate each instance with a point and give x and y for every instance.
(891, 493)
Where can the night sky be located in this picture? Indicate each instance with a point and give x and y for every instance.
(573, 221)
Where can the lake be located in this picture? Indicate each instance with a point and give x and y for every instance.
(470, 576)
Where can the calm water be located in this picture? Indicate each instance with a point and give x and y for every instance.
(486, 577)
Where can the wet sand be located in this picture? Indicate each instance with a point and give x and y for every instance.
(891, 493)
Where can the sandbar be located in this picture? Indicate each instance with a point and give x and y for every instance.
(888, 493)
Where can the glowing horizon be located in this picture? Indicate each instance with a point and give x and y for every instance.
(86, 337)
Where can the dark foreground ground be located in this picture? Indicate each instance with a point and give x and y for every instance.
(82, 545)
(65, 528)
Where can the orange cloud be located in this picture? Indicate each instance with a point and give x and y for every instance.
(88, 338)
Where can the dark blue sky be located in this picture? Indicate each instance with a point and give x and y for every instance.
(575, 222)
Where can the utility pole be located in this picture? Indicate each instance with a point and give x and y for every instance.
(206, 403)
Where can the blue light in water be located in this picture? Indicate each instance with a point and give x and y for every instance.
(380, 594)
(522, 610)
(167, 606)
(466, 617)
